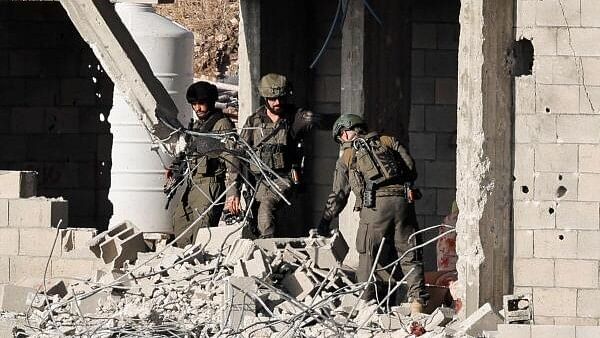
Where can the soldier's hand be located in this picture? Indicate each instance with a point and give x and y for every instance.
(233, 205)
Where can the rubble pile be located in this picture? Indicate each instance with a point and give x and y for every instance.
(282, 287)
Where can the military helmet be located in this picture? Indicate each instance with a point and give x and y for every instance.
(346, 121)
(274, 85)
(202, 91)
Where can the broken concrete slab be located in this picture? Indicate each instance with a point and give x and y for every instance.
(38, 212)
(241, 249)
(326, 252)
(298, 284)
(212, 239)
(18, 184)
(13, 298)
(237, 303)
(485, 318)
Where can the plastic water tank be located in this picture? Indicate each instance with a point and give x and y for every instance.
(137, 174)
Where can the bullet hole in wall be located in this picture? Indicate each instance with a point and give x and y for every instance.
(551, 211)
(547, 110)
(524, 189)
(561, 191)
(561, 237)
(559, 177)
(521, 58)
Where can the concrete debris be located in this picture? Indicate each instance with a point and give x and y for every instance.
(118, 244)
(269, 287)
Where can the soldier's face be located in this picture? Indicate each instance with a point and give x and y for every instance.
(347, 135)
(200, 108)
(275, 104)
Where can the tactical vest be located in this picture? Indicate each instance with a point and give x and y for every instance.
(207, 166)
(273, 143)
(372, 163)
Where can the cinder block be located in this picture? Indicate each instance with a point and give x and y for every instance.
(73, 268)
(589, 184)
(26, 268)
(590, 12)
(542, 68)
(298, 284)
(576, 321)
(424, 36)
(9, 242)
(587, 331)
(555, 244)
(534, 272)
(440, 174)
(446, 90)
(4, 270)
(484, 319)
(523, 172)
(578, 215)
(524, 91)
(445, 146)
(534, 215)
(38, 212)
(74, 243)
(543, 39)
(447, 36)
(12, 298)
(38, 242)
(514, 331)
(589, 158)
(579, 40)
(417, 63)
(566, 70)
(559, 302)
(29, 120)
(241, 249)
(557, 99)
(440, 63)
(18, 184)
(327, 253)
(556, 157)
(523, 242)
(591, 67)
(441, 118)
(422, 90)
(578, 129)
(237, 303)
(588, 303)
(545, 331)
(417, 118)
(588, 245)
(544, 320)
(535, 129)
(550, 13)
(3, 212)
(576, 273)
(556, 186)
(118, 244)
(77, 92)
(422, 146)
(588, 100)
(427, 204)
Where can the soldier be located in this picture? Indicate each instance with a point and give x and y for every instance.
(275, 132)
(207, 172)
(379, 171)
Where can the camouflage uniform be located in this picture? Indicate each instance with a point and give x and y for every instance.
(276, 144)
(392, 216)
(206, 183)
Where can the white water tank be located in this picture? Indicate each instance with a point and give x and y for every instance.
(137, 173)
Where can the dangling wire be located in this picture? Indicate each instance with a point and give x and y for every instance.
(338, 20)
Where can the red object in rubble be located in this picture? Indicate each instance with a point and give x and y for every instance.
(417, 329)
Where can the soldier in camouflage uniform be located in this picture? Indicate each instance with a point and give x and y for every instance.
(379, 170)
(274, 131)
(207, 180)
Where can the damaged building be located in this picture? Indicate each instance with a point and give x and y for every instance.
(497, 101)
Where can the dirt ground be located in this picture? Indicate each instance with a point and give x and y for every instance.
(215, 27)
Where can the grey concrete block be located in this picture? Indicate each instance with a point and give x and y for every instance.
(42, 92)
(327, 253)
(588, 184)
(18, 184)
(38, 212)
(440, 174)
(441, 63)
(9, 242)
(212, 238)
(237, 303)
(445, 146)
(417, 118)
(446, 90)
(422, 146)
(588, 303)
(417, 63)
(422, 91)
(4, 270)
(579, 40)
(587, 331)
(514, 331)
(555, 244)
(27, 268)
(483, 319)
(588, 245)
(440, 118)
(534, 215)
(555, 302)
(573, 273)
(550, 13)
(543, 331)
(589, 158)
(424, 35)
(534, 272)
(27, 120)
(39, 242)
(556, 157)
(3, 212)
(118, 244)
(73, 268)
(12, 298)
(523, 243)
(578, 215)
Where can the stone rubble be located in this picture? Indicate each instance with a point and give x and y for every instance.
(262, 288)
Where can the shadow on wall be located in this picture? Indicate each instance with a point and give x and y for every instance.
(53, 109)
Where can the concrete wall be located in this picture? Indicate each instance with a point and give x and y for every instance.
(557, 162)
(432, 127)
(53, 109)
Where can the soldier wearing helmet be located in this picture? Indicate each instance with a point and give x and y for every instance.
(380, 172)
(207, 172)
(275, 131)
